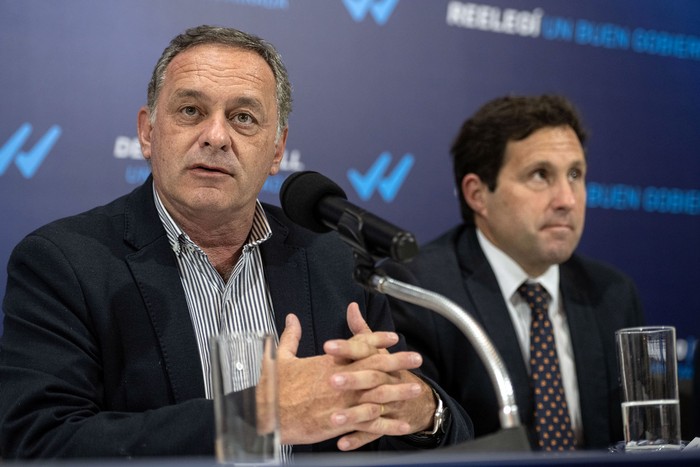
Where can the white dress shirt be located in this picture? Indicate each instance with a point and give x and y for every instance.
(510, 276)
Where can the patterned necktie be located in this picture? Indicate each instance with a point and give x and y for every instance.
(552, 421)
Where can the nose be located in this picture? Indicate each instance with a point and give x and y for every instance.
(215, 133)
(565, 194)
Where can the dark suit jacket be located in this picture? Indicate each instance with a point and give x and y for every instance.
(98, 355)
(598, 300)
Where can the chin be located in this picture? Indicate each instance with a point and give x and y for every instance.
(561, 256)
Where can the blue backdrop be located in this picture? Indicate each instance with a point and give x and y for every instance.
(380, 87)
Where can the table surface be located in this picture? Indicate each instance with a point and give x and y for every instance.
(436, 458)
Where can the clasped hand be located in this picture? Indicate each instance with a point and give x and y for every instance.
(356, 390)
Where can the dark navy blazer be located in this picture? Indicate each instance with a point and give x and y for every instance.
(99, 357)
(598, 300)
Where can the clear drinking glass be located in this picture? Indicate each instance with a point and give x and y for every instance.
(649, 382)
(244, 377)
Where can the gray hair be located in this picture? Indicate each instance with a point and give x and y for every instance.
(205, 34)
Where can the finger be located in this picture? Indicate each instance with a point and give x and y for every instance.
(358, 414)
(290, 337)
(360, 347)
(356, 440)
(356, 322)
(361, 380)
(377, 387)
(385, 363)
(388, 393)
(370, 431)
(379, 339)
(385, 426)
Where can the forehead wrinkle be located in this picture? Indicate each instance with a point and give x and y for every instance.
(552, 151)
(198, 60)
(213, 67)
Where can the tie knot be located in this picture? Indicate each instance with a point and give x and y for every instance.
(535, 295)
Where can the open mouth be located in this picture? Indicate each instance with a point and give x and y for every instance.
(207, 169)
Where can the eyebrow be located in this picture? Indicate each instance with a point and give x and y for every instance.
(542, 163)
(183, 93)
(249, 102)
(238, 101)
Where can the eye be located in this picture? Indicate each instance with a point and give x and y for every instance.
(539, 174)
(189, 110)
(575, 174)
(243, 118)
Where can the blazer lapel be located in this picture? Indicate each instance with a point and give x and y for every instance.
(155, 270)
(589, 357)
(482, 287)
(287, 274)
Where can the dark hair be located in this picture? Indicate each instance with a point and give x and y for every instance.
(480, 145)
(232, 37)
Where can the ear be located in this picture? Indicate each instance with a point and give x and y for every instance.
(144, 127)
(279, 152)
(474, 193)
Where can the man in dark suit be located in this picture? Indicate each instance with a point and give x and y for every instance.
(108, 314)
(520, 168)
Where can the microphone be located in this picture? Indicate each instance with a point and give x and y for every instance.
(319, 204)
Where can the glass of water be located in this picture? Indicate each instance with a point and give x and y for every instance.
(244, 377)
(649, 382)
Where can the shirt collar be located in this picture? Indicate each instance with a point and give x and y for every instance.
(178, 239)
(510, 275)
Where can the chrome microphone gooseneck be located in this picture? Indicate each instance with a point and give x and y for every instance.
(508, 413)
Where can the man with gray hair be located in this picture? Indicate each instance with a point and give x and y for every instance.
(108, 314)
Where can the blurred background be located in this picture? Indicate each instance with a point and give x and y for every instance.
(381, 87)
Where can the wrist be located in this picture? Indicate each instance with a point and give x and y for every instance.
(435, 431)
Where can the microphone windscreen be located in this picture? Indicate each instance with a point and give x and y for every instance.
(301, 194)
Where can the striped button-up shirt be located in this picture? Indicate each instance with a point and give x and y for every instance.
(241, 304)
